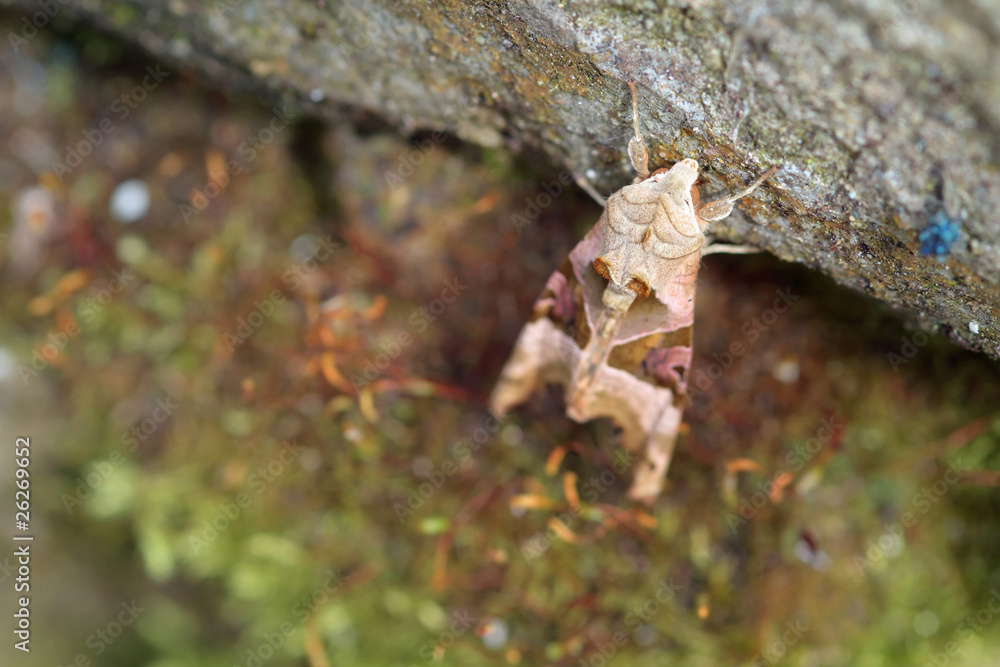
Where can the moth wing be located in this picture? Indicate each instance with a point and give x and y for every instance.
(649, 417)
(643, 386)
(548, 347)
(543, 355)
(633, 208)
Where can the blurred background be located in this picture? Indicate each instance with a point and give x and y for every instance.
(252, 352)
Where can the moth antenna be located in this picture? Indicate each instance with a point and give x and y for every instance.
(756, 184)
(635, 110)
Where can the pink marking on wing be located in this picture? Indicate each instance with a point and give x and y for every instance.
(562, 302)
(670, 365)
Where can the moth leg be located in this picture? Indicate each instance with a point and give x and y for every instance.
(720, 208)
(636, 145)
(589, 188)
(725, 248)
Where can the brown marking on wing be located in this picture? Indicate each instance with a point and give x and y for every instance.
(601, 266)
(639, 286)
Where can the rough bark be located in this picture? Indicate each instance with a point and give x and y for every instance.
(883, 114)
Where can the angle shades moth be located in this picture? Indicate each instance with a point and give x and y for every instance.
(614, 325)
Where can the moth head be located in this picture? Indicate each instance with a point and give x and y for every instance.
(678, 183)
(680, 176)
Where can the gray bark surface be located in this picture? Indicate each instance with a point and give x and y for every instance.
(884, 115)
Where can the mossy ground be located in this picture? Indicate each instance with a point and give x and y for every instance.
(398, 524)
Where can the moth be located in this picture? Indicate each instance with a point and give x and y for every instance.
(614, 324)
